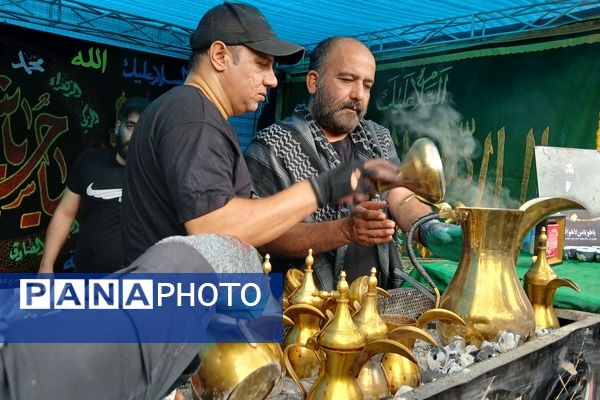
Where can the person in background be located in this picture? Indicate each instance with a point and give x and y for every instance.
(186, 173)
(327, 132)
(570, 178)
(93, 192)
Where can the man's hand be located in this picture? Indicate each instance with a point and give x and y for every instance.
(444, 240)
(353, 182)
(368, 225)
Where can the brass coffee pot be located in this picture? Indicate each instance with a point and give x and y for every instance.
(485, 290)
(305, 310)
(346, 351)
(541, 283)
(399, 370)
(235, 371)
(371, 377)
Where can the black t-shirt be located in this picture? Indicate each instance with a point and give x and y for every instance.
(358, 260)
(184, 161)
(98, 178)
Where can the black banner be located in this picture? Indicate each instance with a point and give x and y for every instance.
(57, 97)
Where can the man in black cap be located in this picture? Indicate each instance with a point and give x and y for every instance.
(186, 173)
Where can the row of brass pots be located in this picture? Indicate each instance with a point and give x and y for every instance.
(241, 370)
(345, 346)
(379, 368)
(485, 294)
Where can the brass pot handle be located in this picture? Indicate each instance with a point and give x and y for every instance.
(381, 346)
(290, 369)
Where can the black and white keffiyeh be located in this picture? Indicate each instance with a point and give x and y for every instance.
(296, 149)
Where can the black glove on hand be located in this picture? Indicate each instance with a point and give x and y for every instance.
(335, 184)
(444, 240)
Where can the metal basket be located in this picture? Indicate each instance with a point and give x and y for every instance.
(406, 301)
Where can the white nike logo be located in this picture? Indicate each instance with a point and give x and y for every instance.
(105, 194)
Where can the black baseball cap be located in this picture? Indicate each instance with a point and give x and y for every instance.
(238, 23)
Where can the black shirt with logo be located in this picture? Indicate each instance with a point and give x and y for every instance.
(98, 178)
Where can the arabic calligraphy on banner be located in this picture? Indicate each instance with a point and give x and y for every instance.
(33, 63)
(67, 87)
(582, 229)
(414, 89)
(59, 96)
(94, 59)
(34, 245)
(150, 73)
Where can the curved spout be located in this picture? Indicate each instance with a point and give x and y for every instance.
(439, 314)
(555, 284)
(537, 209)
(411, 332)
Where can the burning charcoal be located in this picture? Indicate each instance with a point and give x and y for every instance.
(471, 349)
(402, 390)
(507, 341)
(421, 345)
(460, 343)
(454, 348)
(421, 356)
(436, 359)
(451, 367)
(451, 350)
(466, 359)
(430, 376)
(485, 353)
(485, 344)
(543, 332)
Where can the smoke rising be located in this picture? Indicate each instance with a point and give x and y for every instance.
(458, 148)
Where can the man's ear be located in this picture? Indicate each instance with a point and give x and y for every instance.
(117, 125)
(312, 77)
(218, 55)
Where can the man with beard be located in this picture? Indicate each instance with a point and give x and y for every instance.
(570, 178)
(93, 190)
(186, 173)
(331, 130)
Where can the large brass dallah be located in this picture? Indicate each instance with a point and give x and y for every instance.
(305, 310)
(485, 290)
(421, 171)
(541, 283)
(346, 351)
